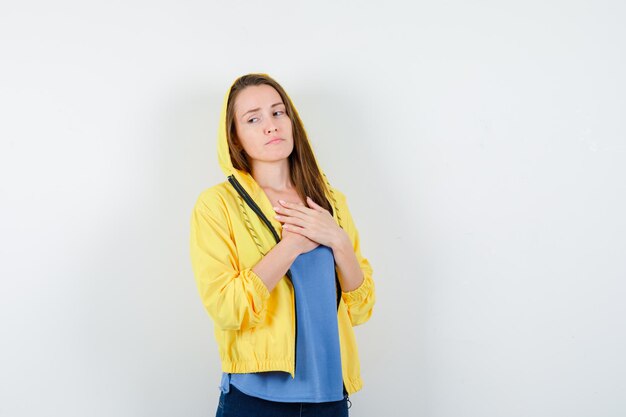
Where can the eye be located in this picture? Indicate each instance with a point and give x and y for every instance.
(251, 119)
(279, 112)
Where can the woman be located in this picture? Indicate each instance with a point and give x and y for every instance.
(277, 261)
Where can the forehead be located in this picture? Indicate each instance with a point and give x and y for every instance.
(256, 96)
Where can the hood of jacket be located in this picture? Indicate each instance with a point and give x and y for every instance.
(245, 178)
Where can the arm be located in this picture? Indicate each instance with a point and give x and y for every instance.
(234, 298)
(349, 270)
(275, 264)
(358, 293)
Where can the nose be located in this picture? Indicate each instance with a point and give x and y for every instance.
(271, 127)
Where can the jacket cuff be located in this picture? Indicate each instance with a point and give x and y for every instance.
(259, 285)
(360, 293)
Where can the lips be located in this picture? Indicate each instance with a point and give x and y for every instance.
(274, 140)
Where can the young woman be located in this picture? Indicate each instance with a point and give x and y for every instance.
(276, 257)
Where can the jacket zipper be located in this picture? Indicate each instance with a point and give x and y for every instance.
(244, 194)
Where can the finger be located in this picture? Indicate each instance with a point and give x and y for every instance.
(290, 220)
(316, 206)
(291, 208)
(289, 214)
(294, 229)
(313, 204)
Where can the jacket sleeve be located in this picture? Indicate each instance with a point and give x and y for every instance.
(360, 301)
(235, 299)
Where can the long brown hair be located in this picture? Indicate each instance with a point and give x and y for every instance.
(304, 172)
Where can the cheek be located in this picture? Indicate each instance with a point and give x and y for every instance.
(287, 127)
(252, 141)
(246, 145)
(246, 136)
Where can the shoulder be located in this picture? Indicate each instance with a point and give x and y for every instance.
(214, 199)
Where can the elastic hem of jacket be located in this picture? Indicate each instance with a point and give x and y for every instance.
(244, 367)
(352, 384)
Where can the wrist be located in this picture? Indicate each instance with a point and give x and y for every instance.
(342, 243)
(292, 251)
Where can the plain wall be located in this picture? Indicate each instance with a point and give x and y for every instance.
(481, 145)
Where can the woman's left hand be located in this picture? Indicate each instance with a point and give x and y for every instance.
(315, 222)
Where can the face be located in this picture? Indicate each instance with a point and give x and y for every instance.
(262, 124)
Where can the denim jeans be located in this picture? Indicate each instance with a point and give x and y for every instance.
(235, 403)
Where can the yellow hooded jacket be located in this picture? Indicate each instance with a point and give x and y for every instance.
(232, 228)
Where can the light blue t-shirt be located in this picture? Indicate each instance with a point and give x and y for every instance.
(318, 376)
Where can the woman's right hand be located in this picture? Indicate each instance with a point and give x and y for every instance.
(300, 243)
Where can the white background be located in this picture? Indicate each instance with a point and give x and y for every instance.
(482, 147)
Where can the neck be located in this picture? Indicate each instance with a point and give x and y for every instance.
(273, 175)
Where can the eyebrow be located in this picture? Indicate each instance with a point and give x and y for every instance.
(258, 108)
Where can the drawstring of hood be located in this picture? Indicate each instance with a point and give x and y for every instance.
(334, 200)
(244, 212)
